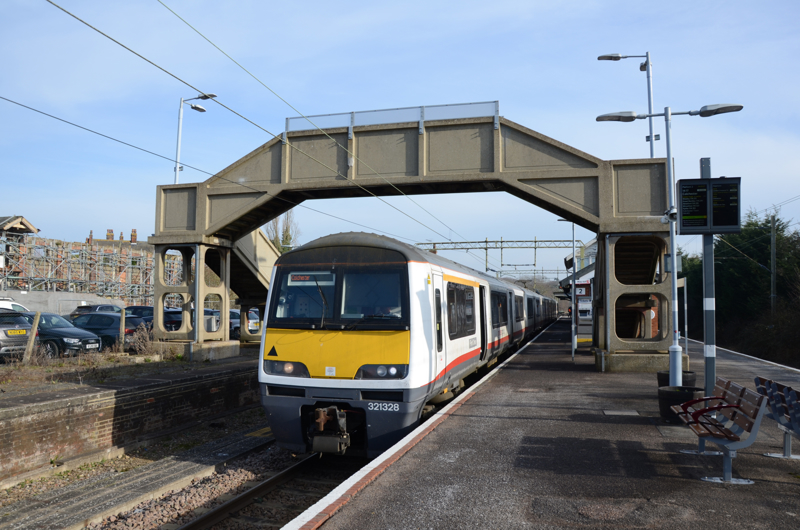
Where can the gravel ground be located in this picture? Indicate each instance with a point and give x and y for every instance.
(176, 507)
(157, 450)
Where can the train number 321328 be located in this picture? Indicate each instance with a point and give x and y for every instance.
(389, 407)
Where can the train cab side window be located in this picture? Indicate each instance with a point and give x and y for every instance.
(518, 309)
(438, 320)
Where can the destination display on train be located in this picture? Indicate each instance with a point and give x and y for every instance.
(709, 206)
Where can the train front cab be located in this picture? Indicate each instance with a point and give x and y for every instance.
(336, 351)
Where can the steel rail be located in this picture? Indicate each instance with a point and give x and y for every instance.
(224, 511)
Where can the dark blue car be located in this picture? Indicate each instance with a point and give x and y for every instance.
(106, 326)
(59, 337)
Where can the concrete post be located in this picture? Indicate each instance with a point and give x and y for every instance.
(773, 256)
(26, 358)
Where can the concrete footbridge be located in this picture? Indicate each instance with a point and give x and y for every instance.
(422, 150)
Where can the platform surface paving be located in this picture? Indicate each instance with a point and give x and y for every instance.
(551, 444)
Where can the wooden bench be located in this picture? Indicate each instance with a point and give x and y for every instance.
(730, 418)
(783, 407)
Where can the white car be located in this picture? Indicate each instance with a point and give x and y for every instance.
(7, 302)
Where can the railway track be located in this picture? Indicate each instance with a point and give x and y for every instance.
(277, 500)
(280, 498)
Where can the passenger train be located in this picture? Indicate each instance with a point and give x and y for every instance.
(364, 333)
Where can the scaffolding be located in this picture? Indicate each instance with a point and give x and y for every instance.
(113, 269)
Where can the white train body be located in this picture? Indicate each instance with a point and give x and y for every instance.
(363, 331)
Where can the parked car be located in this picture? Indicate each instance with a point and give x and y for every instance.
(173, 318)
(14, 333)
(236, 318)
(58, 336)
(6, 302)
(83, 309)
(106, 326)
(145, 312)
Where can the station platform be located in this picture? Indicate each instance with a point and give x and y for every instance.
(548, 443)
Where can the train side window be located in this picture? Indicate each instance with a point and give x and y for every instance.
(519, 309)
(438, 320)
(495, 302)
(529, 300)
(452, 314)
(469, 310)
(460, 310)
(503, 309)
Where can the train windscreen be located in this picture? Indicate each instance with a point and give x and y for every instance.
(341, 288)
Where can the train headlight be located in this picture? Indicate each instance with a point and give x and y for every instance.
(289, 369)
(382, 371)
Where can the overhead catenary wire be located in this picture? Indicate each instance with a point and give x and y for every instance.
(314, 124)
(215, 100)
(742, 253)
(344, 148)
(779, 204)
(201, 170)
(101, 134)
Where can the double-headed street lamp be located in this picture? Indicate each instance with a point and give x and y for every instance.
(671, 215)
(646, 66)
(193, 106)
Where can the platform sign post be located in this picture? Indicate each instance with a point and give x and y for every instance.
(709, 299)
(709, 206)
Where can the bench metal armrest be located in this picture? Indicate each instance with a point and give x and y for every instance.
(712, 409)
(685, 406)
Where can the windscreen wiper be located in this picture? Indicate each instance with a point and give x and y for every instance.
(324, 303)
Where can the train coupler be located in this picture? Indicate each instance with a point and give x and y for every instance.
(335, 439)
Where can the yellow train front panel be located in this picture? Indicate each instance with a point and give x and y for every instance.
(335, 354)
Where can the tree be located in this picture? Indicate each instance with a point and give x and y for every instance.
(742, 273)
(283, 231)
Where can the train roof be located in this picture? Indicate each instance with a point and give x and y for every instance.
(410, 252)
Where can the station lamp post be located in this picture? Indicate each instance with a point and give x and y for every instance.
(574, 333)
(646, 66)
(193, 106)
(671, 215)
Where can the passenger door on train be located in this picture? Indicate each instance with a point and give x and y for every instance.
(482, 328)
(440, 352)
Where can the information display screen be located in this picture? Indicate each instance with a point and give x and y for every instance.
(709, 206)
(725, 203)
(694, 204)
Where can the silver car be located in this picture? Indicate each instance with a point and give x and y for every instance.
(14, 332)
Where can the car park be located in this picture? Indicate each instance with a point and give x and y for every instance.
(235, 319)
(145, 312)
(83, 309)
(106, 326)
(173, 318)
(58, 336)
(14, 333)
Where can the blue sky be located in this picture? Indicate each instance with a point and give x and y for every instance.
(539, 59)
